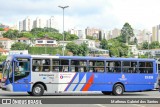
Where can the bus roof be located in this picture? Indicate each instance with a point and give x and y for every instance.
(82, 57)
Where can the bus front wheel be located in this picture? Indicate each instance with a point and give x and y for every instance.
(118, 89)
(38, 90)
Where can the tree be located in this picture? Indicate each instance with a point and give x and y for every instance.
(83, 49)
(126, 32)
(72, 47)
(154, 45)
(145, 45)
(135, 41)
(70, 37)
(19, 46)
(12, 34)
(104, 44)
(78, 49)
(1, 29)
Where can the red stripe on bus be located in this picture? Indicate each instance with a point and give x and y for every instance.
(89, 83)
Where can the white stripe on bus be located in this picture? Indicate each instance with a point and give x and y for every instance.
(81, 84)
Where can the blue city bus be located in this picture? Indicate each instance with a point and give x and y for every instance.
(36, 74)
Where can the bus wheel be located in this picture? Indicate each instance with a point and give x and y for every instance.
(106, 93)
(30, 93)
(118, 89)
(38, 90)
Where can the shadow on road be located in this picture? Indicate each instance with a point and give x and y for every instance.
(62, 94)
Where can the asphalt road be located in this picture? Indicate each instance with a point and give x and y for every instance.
(145, 94)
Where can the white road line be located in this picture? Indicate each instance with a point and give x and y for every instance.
(138, 105)
(100, 105)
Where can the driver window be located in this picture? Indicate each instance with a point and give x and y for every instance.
(22, 69)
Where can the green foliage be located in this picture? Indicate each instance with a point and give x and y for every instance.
(72, 47)
(104, 44)
(70, 37)
(90, 37)
(2, 58)
(12, 34)
(154, 45)
(26, 34)
(19, 46)
(45, 50)
(126, 33)
(118, 48)
(145, 45)
(1, 29)
(81, 50)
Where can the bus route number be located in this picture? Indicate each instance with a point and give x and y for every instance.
(148, 77)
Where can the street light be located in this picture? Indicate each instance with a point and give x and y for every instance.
(148, 43)
(63, 7)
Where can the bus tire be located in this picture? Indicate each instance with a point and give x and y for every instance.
(106, 93)
(38, 90)
(118, 89)
(30, 93)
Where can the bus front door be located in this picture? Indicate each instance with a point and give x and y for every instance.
(22, 76)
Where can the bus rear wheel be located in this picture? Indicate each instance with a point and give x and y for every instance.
(38, 90)
(118, 89)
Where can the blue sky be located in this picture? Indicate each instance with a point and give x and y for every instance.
(105, 14)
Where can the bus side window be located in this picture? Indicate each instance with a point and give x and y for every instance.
(142, 67)
(46, 65)
(55, 65)
(64, 66)
(36, 65)
(126, 67)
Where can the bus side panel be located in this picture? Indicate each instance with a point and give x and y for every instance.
(140, 87)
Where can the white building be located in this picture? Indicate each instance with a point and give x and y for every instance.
(46, 41)
(52, 23)
(134, 50)
(90, 43)
(80, 33)
(27, 24)
(24, 40)
(6, 42)
(39, 23)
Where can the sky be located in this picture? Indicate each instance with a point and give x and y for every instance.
(104, 14)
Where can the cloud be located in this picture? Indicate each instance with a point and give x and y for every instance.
(106, 14)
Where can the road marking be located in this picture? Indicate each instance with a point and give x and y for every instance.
(100, 105)
(138, 105)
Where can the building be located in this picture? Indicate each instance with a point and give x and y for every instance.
(27, 24)
(79, 33)
(6, 42)
(93, 50)
(39, 23)
(46, 41)
(94, 32)
(3, 52)
(52, 23)
(116, 32)
(24, 40)
(153, 53)
(20, 25)
(156, 33)
(133, 49)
